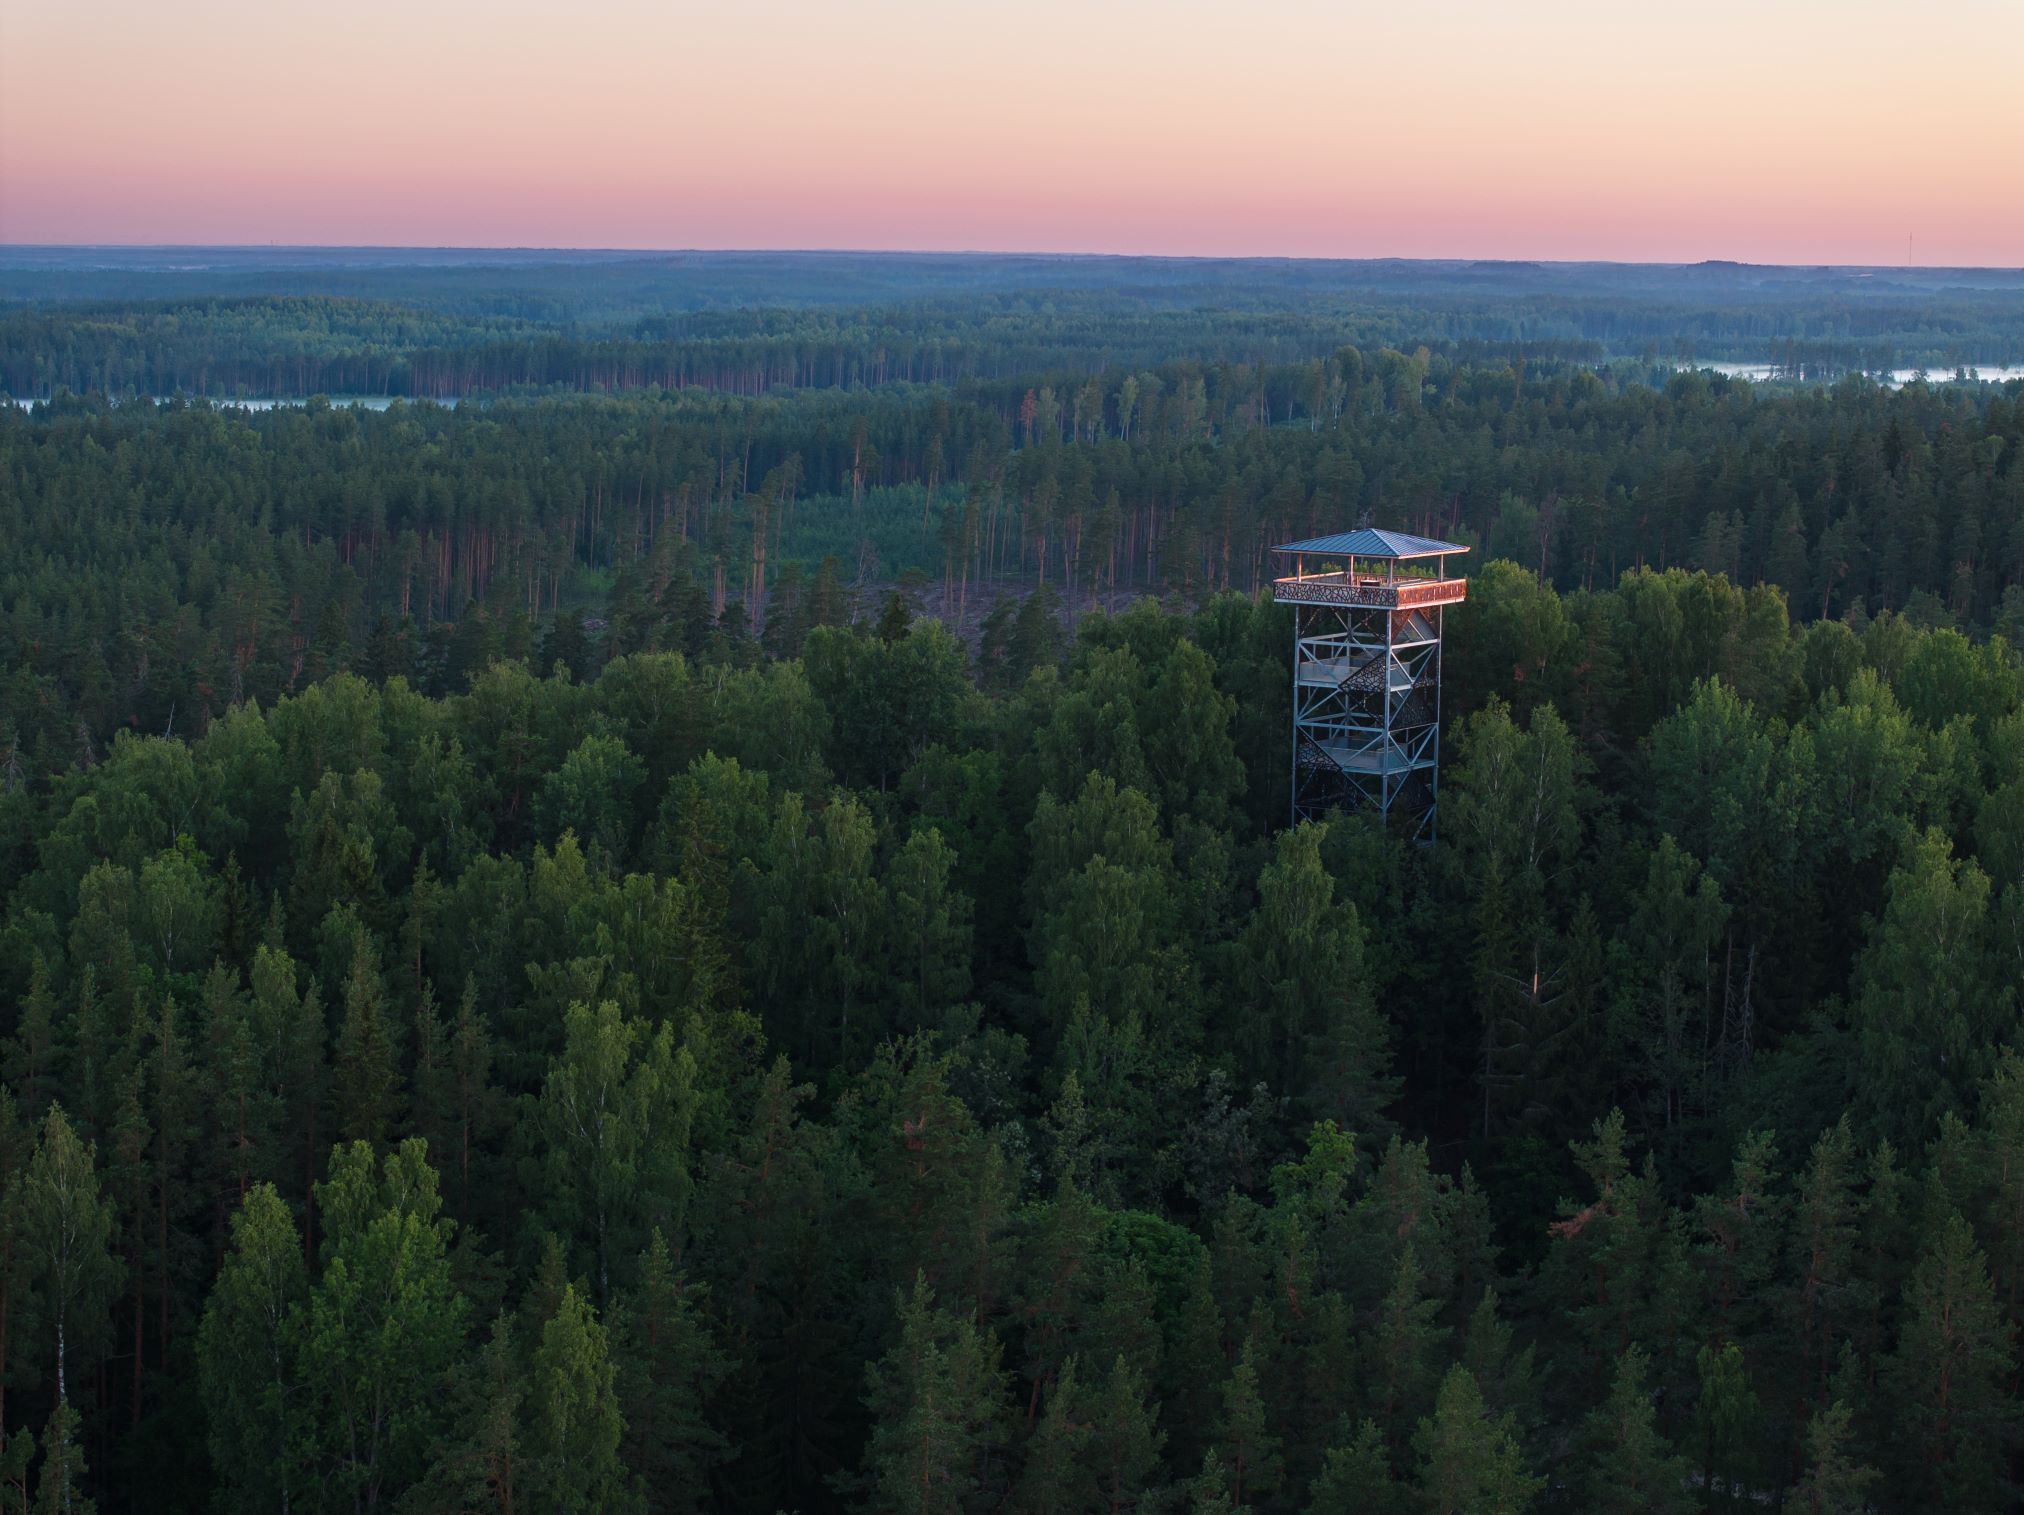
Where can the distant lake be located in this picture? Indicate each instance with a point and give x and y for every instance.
(1897, 377)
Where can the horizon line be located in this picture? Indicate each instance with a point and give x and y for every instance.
(984, 252)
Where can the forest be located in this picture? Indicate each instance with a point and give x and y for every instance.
(735, 945)
(380, 322)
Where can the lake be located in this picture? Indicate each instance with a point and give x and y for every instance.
(1989, 374)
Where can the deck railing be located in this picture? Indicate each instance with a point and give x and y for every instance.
(1368, 589)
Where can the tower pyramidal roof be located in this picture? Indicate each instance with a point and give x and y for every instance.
(1368, 542)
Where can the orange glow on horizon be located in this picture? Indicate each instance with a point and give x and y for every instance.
(1808, 132)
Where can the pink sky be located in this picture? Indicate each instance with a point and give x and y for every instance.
(1796, 131)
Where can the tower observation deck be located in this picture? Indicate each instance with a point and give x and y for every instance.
(1367, 672)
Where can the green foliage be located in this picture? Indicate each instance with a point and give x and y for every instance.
(616, 1113)
(1951, 1373)
(1468, 1460)
(574, 1426)
(669, 1373)
(937, 1413)
(1835, 1482)
(910, 908)
(1930, 992)
(67, 1230)
(381, 1329)
(592, 795)
(1631, 1468)
(249, 1352)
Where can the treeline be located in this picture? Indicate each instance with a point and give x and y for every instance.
(301, 344)
(158, 564)
(228, 347)
(870, 1077)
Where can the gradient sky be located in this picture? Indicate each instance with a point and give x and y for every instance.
(1762, 130)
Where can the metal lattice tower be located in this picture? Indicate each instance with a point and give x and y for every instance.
(1367, 673)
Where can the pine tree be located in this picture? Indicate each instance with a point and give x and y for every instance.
(1249, 1449)
(1126, 1439)
(1744, 1227)
(19, 1300)
(1057, 1472)
(1471, 1464)
(669, 1372)
(1057, 1282)
(477, 1467)
(60, 1484)
(1834, 1482)
(1950, 1378)
(1402, 1346)
(28, 1058)
(1194, 1364)
(1631, 1468)
(17, 1456)
(1209, 1490)
(1825, 1220)
(1503, 1373)
(937, 1411)
(1357, 1477)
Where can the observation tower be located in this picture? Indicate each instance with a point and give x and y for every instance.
(1367, 673)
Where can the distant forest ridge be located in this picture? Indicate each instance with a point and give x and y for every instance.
(443, 323)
